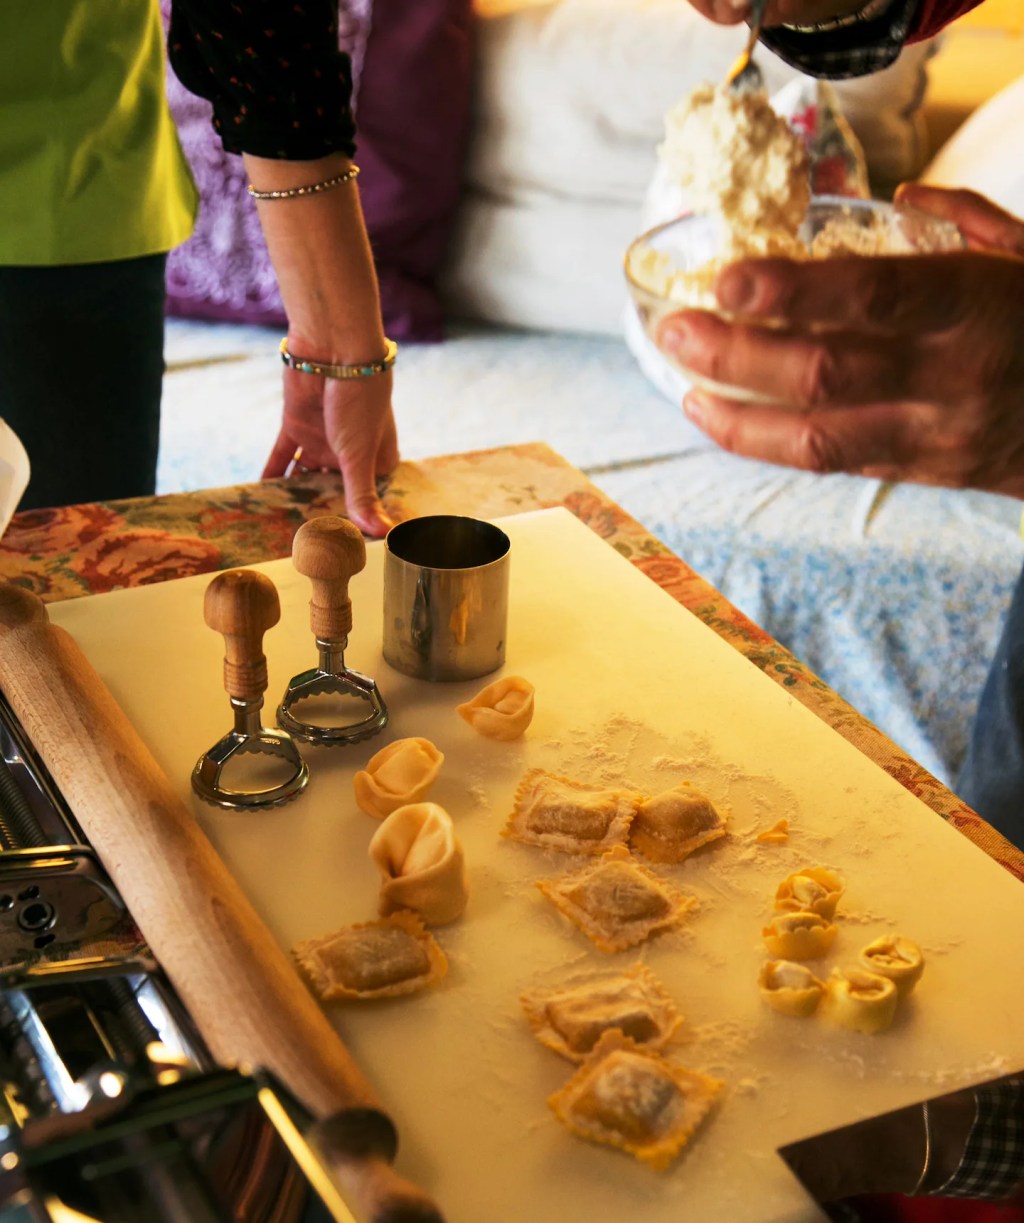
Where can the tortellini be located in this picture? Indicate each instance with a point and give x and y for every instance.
(397, 775)
(503, 710)
(422, 864)
(898, 958)
(790, 989)
(861, 1001)
(813, 889)
(799, 936)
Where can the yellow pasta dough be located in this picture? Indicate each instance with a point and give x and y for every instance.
(790, 989)
(571, 1018)
(669, 826)
(372, 959)
(616, 902)
(397, 775)
(861, 1001)
(898, 958)
(627, 1097)
(798, 936)
(813, 889)
(503, 710)
(558, 813)
(421, 864)
(778, 834)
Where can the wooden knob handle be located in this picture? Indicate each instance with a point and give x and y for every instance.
(329, 551)
(241, 605)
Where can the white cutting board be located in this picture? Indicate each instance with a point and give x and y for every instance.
(630, 687)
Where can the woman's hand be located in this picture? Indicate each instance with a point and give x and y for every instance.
(905, 368)
(325, 272)
(343, 425)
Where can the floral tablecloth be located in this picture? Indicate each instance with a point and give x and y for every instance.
(86, 549)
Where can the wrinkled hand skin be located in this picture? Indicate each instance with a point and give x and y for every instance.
(342, 425)
(777, 12)
(902, 368)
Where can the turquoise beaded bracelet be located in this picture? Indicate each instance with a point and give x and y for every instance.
(326, 370)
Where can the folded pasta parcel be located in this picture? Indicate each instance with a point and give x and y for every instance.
(421, 864)
(379, 959)
(561, 813)
(397, 775)
(632, 1098)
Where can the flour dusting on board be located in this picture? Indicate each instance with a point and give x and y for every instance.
(634, 693)
(734, 881)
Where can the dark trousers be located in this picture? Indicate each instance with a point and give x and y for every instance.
(81, 367)
(992, 778)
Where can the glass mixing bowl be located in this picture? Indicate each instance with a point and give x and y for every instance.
(673, 266)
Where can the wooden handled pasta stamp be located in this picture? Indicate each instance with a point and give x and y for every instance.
(241, 605)
(330, 551)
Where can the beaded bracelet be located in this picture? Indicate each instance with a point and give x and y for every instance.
(867, 12)
(325, 370)
(293, 193)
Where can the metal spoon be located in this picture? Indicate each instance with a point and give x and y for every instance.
(744, 75)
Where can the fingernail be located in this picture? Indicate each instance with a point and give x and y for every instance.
(735, 288)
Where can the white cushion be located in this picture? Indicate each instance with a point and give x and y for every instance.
(541, 261)
(569, 107)
(983, 153)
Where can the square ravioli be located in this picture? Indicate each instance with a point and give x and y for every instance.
(631, 1098)
(669, 826)
(377, 959)
(570, 1019)
(616, 902)
(559, 813)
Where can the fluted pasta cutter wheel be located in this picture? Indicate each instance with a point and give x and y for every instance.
(330, 551)
(241, 605)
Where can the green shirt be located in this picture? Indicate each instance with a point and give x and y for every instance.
(90, 165)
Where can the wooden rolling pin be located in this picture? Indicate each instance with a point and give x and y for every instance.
(240, 988)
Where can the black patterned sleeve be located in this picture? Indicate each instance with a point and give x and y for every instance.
(279, 84)
(857, 49)
(993, 1161)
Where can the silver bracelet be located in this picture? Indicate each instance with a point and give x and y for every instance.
(927, 1149)
(868, 12)
(294, 193)
(326, 370)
